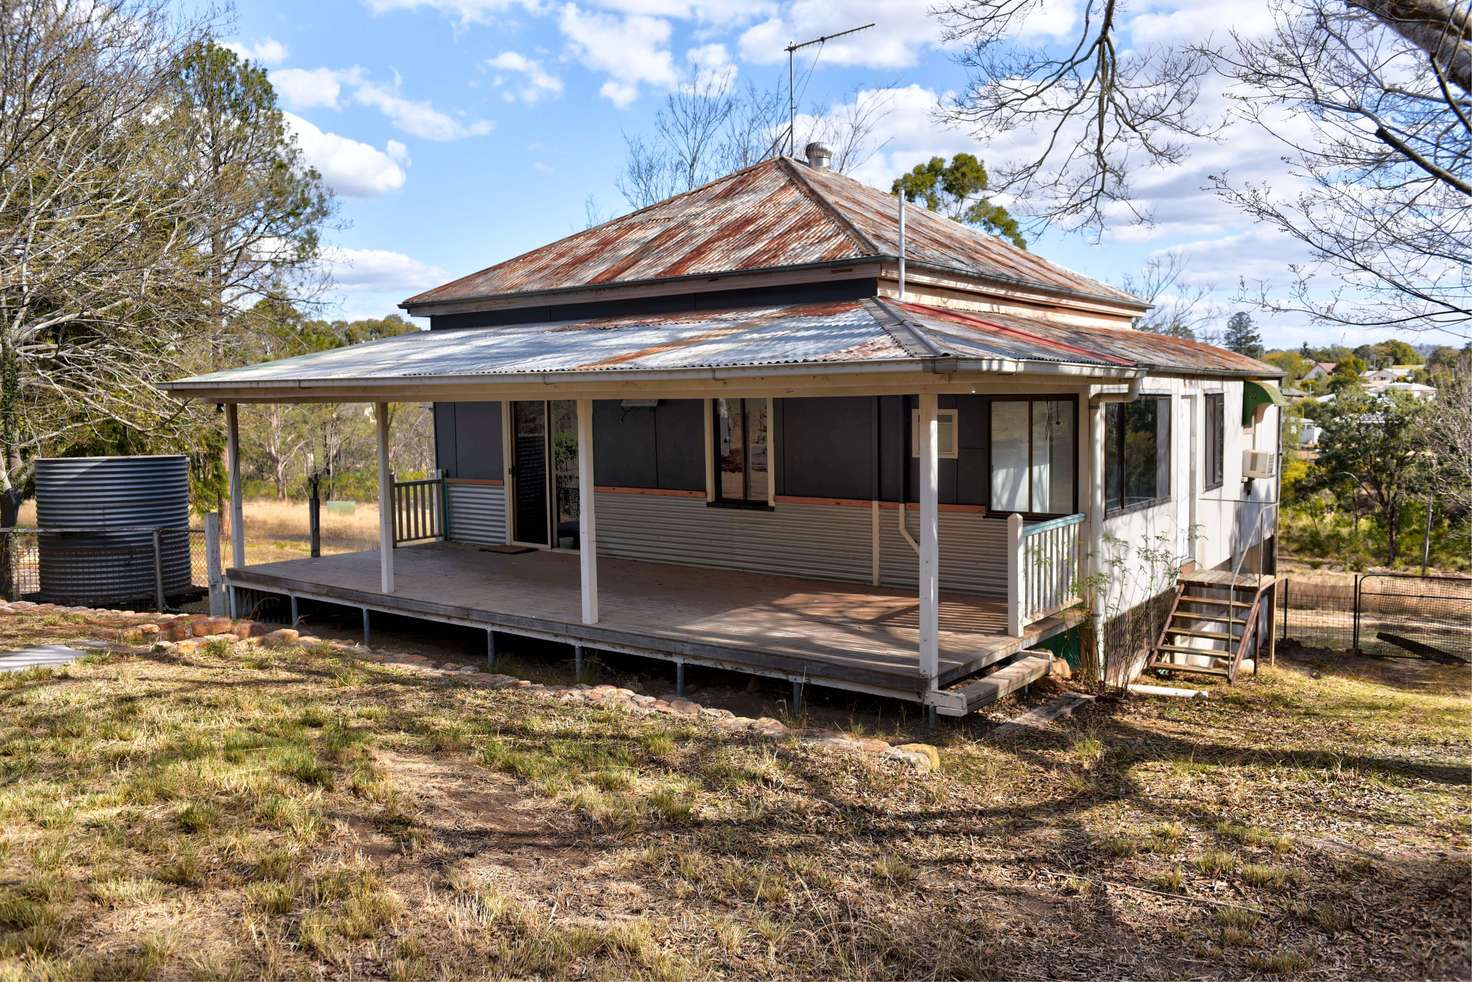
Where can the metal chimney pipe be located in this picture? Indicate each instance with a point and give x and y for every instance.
(819, 155)
(902, 245)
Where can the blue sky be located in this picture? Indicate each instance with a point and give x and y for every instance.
(458, 133)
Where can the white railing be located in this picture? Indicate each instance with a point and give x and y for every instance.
(1042, 568)
(419, 509)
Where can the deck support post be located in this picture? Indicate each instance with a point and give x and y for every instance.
(796, 696)
(587, 527)
(929, 539)
(237, 503)
(385, 503)
(296, 617)
(680, 678)
(577, 663)
(490, 648)
(367, 631)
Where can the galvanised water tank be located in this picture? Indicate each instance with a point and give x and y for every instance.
(96, 516)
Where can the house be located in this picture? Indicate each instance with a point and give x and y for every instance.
(780, 425)
(1318, 371)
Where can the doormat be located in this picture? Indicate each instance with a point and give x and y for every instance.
(508, 550)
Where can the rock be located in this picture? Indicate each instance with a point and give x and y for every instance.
(281, 638)
(834, 743)
(873, 745)
(147, 631)
(917, 762)
(684, 707)
(713, 712)
(931, 755)
(769, 727)
(186, 647)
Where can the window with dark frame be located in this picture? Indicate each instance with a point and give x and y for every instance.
(1034, 452)
(1137, 453)
(1216, 432)
(740, 445)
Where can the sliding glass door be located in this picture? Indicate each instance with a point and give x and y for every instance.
(545, 473)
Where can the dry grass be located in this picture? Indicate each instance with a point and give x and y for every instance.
(288, 814)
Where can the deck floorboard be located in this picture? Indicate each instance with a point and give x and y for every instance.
(831, 632)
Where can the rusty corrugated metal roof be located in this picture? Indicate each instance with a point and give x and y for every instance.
(856, 334)
(774, 215)
(1120, 345)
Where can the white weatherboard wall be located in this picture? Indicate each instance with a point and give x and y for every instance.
(477, 514)
(1226, 517)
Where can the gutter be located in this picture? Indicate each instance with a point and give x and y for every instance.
(940, 365)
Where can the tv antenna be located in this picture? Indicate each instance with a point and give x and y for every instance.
(791, 97)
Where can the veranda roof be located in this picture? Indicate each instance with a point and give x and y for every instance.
(868, 336)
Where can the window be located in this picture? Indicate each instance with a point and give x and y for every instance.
(1137, 453)
(1033, 455)
(1216, 431)
(741, 450)
(945, 420)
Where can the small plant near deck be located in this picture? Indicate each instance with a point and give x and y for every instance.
(1327, 917)
(1171, 878)
(1280, 962)
(894, 869)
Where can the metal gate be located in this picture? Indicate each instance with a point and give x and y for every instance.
(1402, 613)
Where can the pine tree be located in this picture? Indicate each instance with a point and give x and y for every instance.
(1242, 337)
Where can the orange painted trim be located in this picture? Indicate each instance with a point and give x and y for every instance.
(657, 492)
(479, 482)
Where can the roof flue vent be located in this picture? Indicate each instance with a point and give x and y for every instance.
(819, 154)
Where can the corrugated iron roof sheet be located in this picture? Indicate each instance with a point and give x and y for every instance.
(854, 333)
(776, 214)
(1158, 352)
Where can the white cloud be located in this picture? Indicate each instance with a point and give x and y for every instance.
(348, 166)
(1181, 21)
(267, 51)
(631, 50)
(902, 28)
(361, 270)
(534, 82)
(464, 11)
(308, 88)
(416, 117)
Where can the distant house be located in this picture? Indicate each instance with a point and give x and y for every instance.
(1415, 390)
(1319, 370)
(765, 425)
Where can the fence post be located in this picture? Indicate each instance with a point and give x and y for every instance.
(1287, 606)
(1016, 589)
(212, 565)
(158, 569)
(314, 515)
(1356, 646)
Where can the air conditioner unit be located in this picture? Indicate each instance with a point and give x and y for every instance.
(1258, 463)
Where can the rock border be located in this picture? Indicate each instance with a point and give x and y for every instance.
(186, 633)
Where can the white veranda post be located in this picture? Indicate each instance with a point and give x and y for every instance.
(385, 503)
(587, 527)
(929, 538)
(237, 505)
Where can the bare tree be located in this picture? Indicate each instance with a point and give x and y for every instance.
(1099, 107)
(711, 126)
(1176, 309)
(1385, 197)
(1386, 202)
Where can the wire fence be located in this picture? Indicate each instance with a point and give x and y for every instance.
(1383, 615)
(155, 568)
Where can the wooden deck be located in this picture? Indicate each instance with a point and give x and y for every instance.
(840, 634)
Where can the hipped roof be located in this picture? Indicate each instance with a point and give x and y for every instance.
(776, 215)
(855, 336)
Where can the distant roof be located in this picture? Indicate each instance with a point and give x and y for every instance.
(866, 335)
(773, 215)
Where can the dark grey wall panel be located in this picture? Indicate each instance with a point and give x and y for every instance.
(828, 447)
(624, 446)
(817, 292)
(680, 451)
(467, 439)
